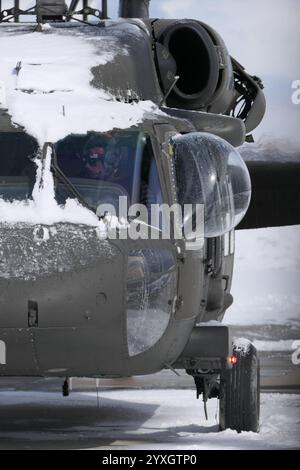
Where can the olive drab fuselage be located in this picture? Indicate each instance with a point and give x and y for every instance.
(73, 304)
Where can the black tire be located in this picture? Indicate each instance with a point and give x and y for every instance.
(240, 391)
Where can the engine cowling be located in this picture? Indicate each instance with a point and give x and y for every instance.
(198, 55)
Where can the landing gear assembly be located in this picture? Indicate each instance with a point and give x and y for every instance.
(228, 371)
(240, 390)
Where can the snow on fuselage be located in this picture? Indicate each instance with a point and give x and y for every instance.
(62, 286)
(55, 83)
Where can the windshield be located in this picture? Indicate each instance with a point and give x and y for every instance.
(17, 169)
(210, 172)
(101, 168)
(104, 167)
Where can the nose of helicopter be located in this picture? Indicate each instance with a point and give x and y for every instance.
(58, 276)
(61, 301)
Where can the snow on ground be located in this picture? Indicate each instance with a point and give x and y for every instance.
(276, 248)
(266, 278)
(140, 419)
(281, 345)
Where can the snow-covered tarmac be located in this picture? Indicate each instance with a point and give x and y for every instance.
(137, 419)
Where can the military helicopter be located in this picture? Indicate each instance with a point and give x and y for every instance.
(73, 304)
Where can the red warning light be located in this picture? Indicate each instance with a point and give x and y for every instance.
(232, 360)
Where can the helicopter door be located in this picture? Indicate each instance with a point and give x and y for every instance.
(152, 272)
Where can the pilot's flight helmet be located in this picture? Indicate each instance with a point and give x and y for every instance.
(95, 154)
(95, 149)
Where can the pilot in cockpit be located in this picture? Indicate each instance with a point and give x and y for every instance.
(95, 165)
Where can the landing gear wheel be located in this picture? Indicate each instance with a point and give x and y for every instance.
(240, 390)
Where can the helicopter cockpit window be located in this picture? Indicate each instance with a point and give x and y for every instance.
(210, 172)
(151, 290)
(17, 169)
(104, 167)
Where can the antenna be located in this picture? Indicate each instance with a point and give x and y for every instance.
(163, 101)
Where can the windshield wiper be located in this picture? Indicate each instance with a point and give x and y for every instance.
(62, 178)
